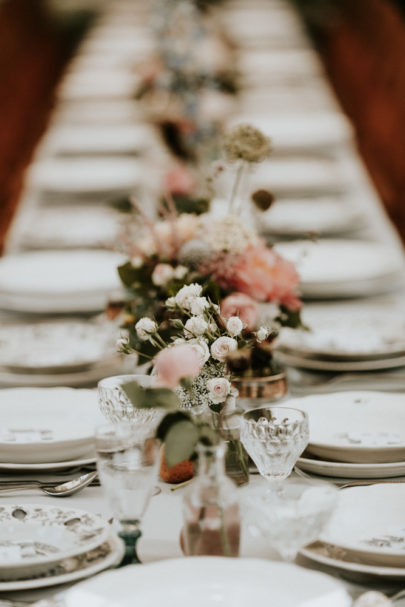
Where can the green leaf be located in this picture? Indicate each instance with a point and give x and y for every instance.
(147, 398)
(127, 274)
(168, 421)
(180, 442)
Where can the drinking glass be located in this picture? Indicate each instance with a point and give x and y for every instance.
(127, 462)
(274, 437)
(292, 518)
(116, 406)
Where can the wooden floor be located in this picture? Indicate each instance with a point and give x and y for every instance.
(33, 50)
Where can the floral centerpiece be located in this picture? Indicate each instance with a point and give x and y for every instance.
(194, 340)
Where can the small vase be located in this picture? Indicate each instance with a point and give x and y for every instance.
(255, 390)
(210, 508)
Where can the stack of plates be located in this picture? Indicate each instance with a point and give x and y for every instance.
(366, 533)
(354, 434)
(58, 281)
(333, 268)
(59, 352)
(47, 545)
(212, 581)
(40, 428)
(346, 342)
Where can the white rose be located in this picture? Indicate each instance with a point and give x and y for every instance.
(234, 325)
(180, 272)
(170, 302)
(201, 348)
(162, 273)
(198, 305)
(145, 327)
(196, 325)
(187, 295)
(222, 347)
(218, 389)
(262, 334)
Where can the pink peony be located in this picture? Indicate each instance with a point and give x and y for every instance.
(264, 275)
(180, 181)
(243, 306)
(175, 363)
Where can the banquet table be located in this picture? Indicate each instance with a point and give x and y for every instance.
(163, 520)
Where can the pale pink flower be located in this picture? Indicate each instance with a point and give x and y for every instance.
(175, 363)
(264, 275)
(218, 389)
(180, 180)
(243, 306)
(162, 274)
(222, 347)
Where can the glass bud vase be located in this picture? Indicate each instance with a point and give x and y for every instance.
(210, 508)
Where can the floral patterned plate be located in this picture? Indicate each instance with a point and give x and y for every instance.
(108, 554)
(34, 537)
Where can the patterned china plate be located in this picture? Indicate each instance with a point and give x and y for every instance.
(368, 524)
(108, 554)
(32, 537)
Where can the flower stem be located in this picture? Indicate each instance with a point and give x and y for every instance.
(236, 184)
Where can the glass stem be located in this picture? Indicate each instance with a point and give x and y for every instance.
(130, 539)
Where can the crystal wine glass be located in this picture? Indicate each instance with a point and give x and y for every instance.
(127, 463)
(293, 518)
(274, 437)
(116, 406)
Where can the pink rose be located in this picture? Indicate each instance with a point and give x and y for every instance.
(266, 276)
(180, 181)
(243, 306)
(175, 363)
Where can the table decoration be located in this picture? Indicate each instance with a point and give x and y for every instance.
(87, 564)
(291, 519)
(374, 435)
(42, 424)
(35, 538)
(211, 581)
(127, 461)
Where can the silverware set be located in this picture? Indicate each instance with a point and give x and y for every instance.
(56, 488)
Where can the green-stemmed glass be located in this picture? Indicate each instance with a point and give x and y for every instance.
(127, 461)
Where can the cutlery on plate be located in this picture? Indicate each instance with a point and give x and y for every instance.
(54, 490)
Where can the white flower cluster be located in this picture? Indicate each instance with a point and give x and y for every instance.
(164, 273)
(145, 328)
(230, 234)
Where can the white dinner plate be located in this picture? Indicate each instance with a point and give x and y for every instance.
(340, 365)
(35, 347)
(353, 336)
(339, 561)
(356, 427)
(368, 524)
(76, 568)
(34, 536)
(346, 470)
(70, 227)
(89, 460)
(86, 175)
(303, 131)
(58, 281)
(46, 425)
(333, 268)
(294, 176)
(210, 581)
(321, 215)
(99, 140)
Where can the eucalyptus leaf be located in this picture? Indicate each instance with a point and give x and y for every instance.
(180, 442)
(148, 398)
(168, 421)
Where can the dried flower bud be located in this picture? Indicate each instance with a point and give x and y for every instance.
(245, 142)
(263, 199)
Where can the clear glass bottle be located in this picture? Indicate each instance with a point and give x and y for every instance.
(210, 508)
